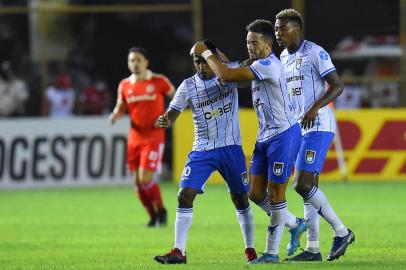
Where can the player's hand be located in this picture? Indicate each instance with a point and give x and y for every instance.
(112, 118)
(309, 118)
(163, 121)
(198, 48)
(246, 62)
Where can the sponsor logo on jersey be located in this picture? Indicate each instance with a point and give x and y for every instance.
(265, 62)
(310, 156)
(256, 88)
(323, 55)
(244, 178)
(213, 100)
(295, 78)
(298, 64)
(134, 99)
(218, 112)
(278, 168)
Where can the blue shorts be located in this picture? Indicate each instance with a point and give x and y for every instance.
(229, 161)
(275, 157)
(313, 151)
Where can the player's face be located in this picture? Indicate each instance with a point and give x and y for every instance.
(286, 32)
(258, 46)
(137, 63)
(202, 67)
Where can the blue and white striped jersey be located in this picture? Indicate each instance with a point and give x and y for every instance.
(305, 70)
(270, 98)
(214, 106)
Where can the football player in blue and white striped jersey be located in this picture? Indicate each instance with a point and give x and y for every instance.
(216, 147)
(308, 67)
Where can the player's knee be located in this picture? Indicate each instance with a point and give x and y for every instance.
(240, 200)
(185, 199)
(256, 195)
(302, 187)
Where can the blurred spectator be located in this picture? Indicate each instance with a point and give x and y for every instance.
(59, 100)
(13, 92)
(384, 94)
(95, 99)
(351, 98)
(353, 94)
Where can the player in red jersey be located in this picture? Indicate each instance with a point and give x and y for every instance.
(142, 94)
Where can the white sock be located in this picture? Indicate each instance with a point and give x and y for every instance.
(290, 219)
(313, 219)
(324, 209)
(246, 221)
(275, 228)
(184, 217)
(265, 205)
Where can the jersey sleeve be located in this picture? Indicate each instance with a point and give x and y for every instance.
(322, 61)
(262, 69)
(120, 94)
(179, 101)
(166, 85)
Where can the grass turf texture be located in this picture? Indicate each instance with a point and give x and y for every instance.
(104, 228)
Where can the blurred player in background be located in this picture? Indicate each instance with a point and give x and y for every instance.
(60, 99)
(143, 94)
(308, 67)
(278, 138)
(216, 147)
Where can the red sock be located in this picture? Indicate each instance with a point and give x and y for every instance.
(154, 194)
(144, 198)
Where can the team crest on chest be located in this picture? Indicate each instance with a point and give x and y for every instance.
(150, 88)
(310, 156)
(298, 64)
(278, 168)
(244, 178)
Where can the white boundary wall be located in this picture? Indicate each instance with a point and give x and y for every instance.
(78, 151)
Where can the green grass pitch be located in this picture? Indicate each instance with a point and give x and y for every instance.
(104, 228)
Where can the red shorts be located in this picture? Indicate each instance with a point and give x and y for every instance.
(146, 155)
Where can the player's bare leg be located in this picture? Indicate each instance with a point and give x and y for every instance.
(246, 221)
(152, 190)
(316, 204)
(258, 192)
(184, 217)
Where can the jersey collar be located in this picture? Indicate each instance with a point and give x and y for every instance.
(148, 76)
(300, 47)
(201, 78)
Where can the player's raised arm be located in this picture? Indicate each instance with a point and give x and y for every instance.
(222, 71)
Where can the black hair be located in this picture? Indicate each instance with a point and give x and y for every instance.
(210, 45)
(140, 50)
(263, 27)
(290, 15)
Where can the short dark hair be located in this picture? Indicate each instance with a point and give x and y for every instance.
(140, 50)
(263, 27)
(290, 15)
(210, 45)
